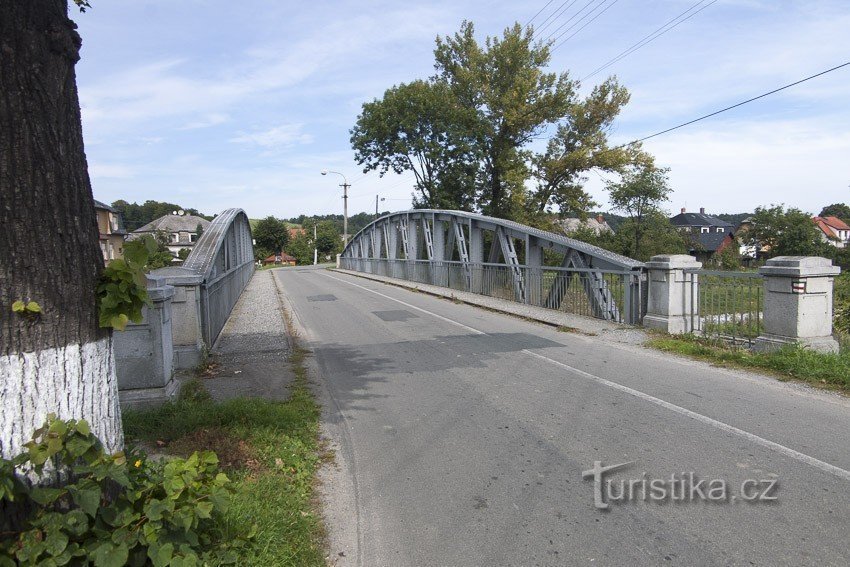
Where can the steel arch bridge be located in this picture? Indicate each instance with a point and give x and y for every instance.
(501, 258)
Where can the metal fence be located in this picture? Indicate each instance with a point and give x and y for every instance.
(219, 296)
(727, 305)
(613, 295)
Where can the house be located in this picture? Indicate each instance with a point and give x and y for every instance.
(708, 235)
(110, 227)
(833, 230)
(598, 225)
(180, 230)
(281, 258)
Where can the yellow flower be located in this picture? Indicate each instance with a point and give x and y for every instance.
(138, 463)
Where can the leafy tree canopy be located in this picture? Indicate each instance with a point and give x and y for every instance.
(786, 232)
(271, 234)
(135, 215)
(465, 132)
(840, 210)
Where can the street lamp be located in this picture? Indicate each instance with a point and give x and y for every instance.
(345, 185)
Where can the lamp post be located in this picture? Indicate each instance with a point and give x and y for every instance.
(345, 185)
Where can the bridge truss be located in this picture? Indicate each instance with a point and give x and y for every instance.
(501, 258)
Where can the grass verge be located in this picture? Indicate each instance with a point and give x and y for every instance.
(271, 451)
(790, 363)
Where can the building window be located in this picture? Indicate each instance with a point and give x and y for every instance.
(705, 229)
(719, 229)
(175, 237)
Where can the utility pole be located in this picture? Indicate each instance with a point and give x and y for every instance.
(315, 247)
(345, 185)
(376, 206)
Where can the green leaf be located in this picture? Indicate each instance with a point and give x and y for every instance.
(161, 555)
(33, 307)
(19, 307)
(55, 543)
(108, 555)
(87, 499)
(46, 496)
(204, 509)
(119, 322)
(83, 427)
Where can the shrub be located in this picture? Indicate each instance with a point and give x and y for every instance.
(120, 509)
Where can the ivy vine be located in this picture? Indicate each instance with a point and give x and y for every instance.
(122, 290)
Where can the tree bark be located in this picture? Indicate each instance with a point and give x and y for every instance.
(59, 361)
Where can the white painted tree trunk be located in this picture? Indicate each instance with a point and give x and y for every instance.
(73, 382)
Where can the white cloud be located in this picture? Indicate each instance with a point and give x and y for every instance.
(279, 137)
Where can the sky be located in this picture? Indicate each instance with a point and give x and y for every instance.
(212, 104)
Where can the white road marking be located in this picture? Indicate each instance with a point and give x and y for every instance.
(761, 441)
(781, 449)
(446, 319)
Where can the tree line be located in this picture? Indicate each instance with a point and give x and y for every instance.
(136, 216)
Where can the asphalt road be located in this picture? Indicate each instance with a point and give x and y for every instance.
(463, 436)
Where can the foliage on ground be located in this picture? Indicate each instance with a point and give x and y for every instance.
(271, 451)
(788, 363)
(120, 509)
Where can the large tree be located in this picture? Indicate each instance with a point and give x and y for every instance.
(59, 360)
(580, 145)
(420, 127)
(271, 234)
(514, 98)
(639, 194)
(466, 132)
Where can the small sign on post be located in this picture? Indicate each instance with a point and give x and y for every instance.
(798, 286)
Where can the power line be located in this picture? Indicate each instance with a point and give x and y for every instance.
(582, 27)
(556, 14)
(782, 88)
(538, 13)
(653, 36)
(571, 18)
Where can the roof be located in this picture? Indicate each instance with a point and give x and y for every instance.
(698, 219)
(284, 257)
(832, 222)
(175, 223)
(709, 241)
(103, 206)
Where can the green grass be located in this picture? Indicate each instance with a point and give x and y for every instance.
(273, 452)
(789, 363)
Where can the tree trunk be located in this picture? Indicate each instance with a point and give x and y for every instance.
(59, 361)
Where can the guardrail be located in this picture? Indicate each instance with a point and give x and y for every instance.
(728, 305)
(619, 294)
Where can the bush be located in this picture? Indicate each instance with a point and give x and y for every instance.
(841, 305)
(120, 509)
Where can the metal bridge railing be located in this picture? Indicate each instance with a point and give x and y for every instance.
(727, 305)
(620, 295)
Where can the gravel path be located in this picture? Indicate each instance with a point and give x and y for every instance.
(250, 358)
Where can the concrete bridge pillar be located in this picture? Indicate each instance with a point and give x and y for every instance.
(671, 293)
(798, 303)
(144, 354)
